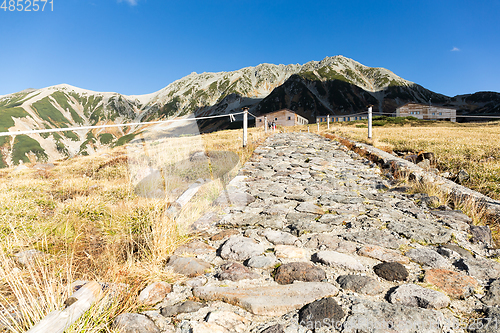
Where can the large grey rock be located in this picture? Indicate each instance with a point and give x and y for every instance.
(447, 250)
(490, 323)
(453, 218)
(417, 296)
(309, 207)
(134, 323)
(337, 259)
(269, 300)
(421, 230)
(194, 247)
(391, 271)
(360, 284)
(240, 248)
(231, 321)
(427, 257)
(481, 269)
(375, 317)
(260, 262)
(383, 238)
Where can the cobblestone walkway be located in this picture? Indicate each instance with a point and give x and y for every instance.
(317, 239)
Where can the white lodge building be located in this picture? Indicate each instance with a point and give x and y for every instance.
(284, 117)
(427, 112)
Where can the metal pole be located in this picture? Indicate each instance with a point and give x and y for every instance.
(370, 122)
(328, 121)
(245, 125)
(265, 123)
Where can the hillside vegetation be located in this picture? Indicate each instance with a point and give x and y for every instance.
(85, 217)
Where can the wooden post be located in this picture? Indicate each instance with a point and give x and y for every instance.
(245, 126)
(370, 122)
(328, 121)
(59, 320)
(318, 127)
(265, 123)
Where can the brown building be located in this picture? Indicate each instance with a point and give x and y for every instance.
(284, 117)
(427, 112)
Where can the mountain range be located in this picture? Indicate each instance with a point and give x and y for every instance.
(335, 85)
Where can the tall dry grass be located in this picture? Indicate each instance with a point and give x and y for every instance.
(84, 215)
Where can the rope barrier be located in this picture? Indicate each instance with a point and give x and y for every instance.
(65, 129)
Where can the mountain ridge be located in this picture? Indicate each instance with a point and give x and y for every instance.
(333, 85)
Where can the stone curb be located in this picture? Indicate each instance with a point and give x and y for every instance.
(415, 172)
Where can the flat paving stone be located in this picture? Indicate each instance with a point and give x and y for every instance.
(383, 238)
(337, 259)
(382, 254)
(427, 257)
(454, 284)
(269, 300)
(417, 296)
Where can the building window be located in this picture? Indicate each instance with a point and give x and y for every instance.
(260, 120)
(289, 118)
(440, 113)
(275, 119)
(434, 113)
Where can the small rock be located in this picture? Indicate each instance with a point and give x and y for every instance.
(290, 252)
(321, 313)
(492, 297)
(223, 234)
(454, 284)
(481, 234)
(360, 284)
(160, 321)
(481, 269)
(298, 271)
(134, 323)
(323, 241)
(235, 271)
(337, 259)
(260, 262)
(333, 219)
(154, 293)
(391, 271)
(427, 257)
(184, 307)
(229, 320)
(207, 221)
(240, 248)
(417, 296)
(455, 219)
(382, 254)
(190, 267)
(490, 322)
(196, 282)
(461, 177)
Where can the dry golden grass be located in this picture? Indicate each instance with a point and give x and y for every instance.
(85, 216)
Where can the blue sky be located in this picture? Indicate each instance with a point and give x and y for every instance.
(140, 46)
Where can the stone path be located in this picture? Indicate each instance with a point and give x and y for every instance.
(316, 239)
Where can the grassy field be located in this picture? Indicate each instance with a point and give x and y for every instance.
(84, 216)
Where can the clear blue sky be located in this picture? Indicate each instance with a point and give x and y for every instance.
(140, 46)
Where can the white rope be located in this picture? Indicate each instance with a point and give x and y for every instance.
(65, 129)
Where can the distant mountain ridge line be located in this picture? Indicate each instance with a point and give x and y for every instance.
(335, 85)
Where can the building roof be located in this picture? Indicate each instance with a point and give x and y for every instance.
(436, 106)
